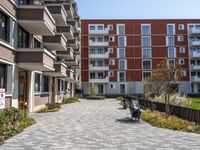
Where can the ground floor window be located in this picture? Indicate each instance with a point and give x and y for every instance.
(62, 85)
(37, 82)
(3, 76)
(45, 82)
(41, 83)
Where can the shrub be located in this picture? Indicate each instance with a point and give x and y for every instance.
(160, 119)
(13, 121)
(120, 98)
(71, 100)
(95, 98)
(54, 107)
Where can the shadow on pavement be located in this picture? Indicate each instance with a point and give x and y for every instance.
(128, 120)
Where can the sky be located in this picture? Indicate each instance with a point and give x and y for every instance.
(139, 9)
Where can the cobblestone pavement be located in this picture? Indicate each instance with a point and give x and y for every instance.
(97, 125)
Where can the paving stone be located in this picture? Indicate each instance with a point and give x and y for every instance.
(97, 125)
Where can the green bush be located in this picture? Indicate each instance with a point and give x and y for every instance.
(54, 107)
(71, 100)
(120, 98)
(160, 119)
(95, 97)
(13, 121)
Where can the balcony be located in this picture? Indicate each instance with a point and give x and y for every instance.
(72, 62)
(194, 31)
(57, 42)
(59, 14)
(77, 51)
(195, 54)
(102, 80)
(73, 43)
(67, 31)
(195, 67)
(195, 79)
(36, 19)
(76, 78)
(69, 10)
(99, 56)
(98, 32)
(77, 35)
(70, 75)
(60, 70)
(195, 43)
(98, 44)
(74, 24)
(67, 55)
(35, 59)
(98, 68)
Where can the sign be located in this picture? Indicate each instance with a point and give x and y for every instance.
(2, 98)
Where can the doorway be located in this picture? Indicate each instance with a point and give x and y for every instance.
(100, 89)
(22, 90)
(122, 88)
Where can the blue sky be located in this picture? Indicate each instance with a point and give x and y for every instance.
(138, 9)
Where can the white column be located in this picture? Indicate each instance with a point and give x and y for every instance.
(31, 83)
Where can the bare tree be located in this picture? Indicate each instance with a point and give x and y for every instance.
(164, 82)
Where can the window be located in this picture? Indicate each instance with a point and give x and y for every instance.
(110, 27)
(122, 65)
(121, 53)
(37, 43)
(170, 41)
(92, 39)
(45, 81)
(145, 29)
(171, 29)
(181, 49)
(181, 27)
(120, 29)
(100, 27)
(180, 38)
(100, 39)
(92, 27)
(146, 41)
(92, 51)
(111, 86)
(112, 62)
(92, 75)
(100, 62)
(3, 76)
(37, 82)
(4, 27)
(146, 64)
(92, 63)
(61, 85)
(111, 74)
(122, 76)
(146, 52)
(146, 75)
(100, 75)
(111, 38)
(181, 61)
(122, 41)
(100, 51)
(171, 62)
(23, 38)
(172, 52)
(110, 50)
(183, 73)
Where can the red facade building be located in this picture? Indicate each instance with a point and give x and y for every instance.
(118, 54)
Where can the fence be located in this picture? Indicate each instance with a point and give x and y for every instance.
(182, 112)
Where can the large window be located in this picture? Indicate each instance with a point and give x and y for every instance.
(4, 27)
(3, 76)
(146, 29)
(45, 84)
(37, 82)
(122, 76)
(121, 53)
(170, 41)
(146, 52)
(146, 75)
(23, 38)
(122, 64)
(146, 41)
(92, 75)
(171, 29)
(120, 29)
(62, 85)
(122, 41)
(146, 65)
(100, 62)
(171, 52)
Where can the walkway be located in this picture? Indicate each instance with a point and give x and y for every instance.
(97, 125)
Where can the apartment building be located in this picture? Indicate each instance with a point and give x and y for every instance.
(117, 55)
(39, 51)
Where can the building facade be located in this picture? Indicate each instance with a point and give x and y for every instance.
(39, 51)
(117, 55)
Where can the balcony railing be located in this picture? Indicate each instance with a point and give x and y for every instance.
(100, 68)
(96, 43)
(99, 32)
(195, 31)
(196, 79)
(103, 56)
(195, 67)
(99, 80)
(195, 43)
(195, 54)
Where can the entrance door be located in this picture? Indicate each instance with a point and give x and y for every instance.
(122, 88)
(22, 90)
(100, 89)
